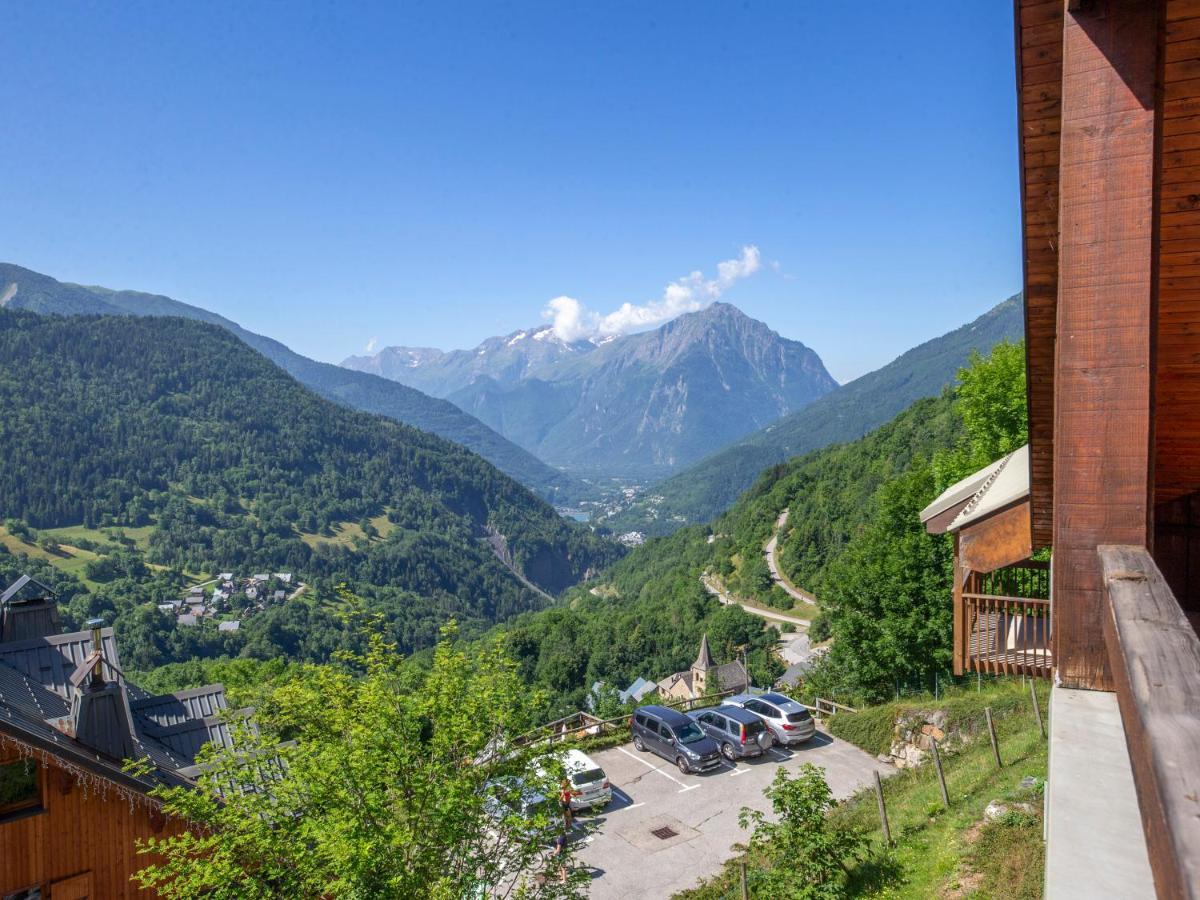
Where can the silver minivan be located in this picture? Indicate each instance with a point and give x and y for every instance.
(788, 721)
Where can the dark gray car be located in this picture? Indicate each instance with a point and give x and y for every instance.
(674, 736)
(788, 721)
(741, 734)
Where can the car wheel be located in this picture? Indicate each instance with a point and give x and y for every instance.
(727, 751)
(637, 743)
(683, 765)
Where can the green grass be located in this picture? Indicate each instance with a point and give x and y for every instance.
(69, 559)
(938, 852)
(347, 534)
(71, 533)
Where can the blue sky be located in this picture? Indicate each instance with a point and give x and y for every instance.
(434, 173)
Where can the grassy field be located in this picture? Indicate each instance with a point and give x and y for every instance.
(72, 533)
(948, 853)
(68, 558)
(347, 533)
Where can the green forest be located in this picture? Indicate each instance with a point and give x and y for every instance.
(176, 430)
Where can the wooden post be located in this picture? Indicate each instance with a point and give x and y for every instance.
(745, 887)
(887, 832)
(937, 764)
(1037, 710)
(992, 734)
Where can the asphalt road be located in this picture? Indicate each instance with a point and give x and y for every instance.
(769, 550)
(627, 860)
(726, 599)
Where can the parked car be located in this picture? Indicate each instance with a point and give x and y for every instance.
(740, 734)
(510, 795)
(587, 779)
(674, 736)
(788, 721)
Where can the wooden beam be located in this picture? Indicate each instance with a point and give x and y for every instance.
(1102, 367)
(1001, 539)
(1155, 659)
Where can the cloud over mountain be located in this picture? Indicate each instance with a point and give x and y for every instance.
(573, 321)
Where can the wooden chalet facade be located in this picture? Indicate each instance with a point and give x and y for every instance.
(1109, 490)
(70, 817)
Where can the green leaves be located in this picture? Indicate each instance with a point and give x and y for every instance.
(391, 786)
(805, 854)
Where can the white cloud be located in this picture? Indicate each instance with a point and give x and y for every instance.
(573, 321)
(372, 344)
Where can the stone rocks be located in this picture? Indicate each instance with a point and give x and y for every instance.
(997, 810)
(914, 735)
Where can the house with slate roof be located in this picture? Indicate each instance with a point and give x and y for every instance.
(70, 815)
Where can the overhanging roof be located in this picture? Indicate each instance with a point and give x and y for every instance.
(994, 487)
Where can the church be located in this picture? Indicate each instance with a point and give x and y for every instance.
(704, 675)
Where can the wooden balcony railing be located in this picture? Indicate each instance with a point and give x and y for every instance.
(1002, 621)
(1155, 658)
(1007, 635)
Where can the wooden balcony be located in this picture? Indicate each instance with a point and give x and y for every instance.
(1002, 622)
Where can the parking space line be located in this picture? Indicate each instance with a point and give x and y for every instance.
(736, 772)
(654, 768)
(633, 806)
(779, 755)
(690, 787)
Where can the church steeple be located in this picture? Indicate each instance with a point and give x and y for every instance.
(704, 661)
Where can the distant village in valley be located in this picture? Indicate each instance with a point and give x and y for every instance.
(229, 598)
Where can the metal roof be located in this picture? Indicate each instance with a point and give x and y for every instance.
(982, 493)
(166, 710)
(16, 587)
(1007, 484)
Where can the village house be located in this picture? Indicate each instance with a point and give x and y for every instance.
(70, 816)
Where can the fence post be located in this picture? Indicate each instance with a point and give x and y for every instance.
(745, 887)
(937, 764)
(883, 820)
(1037, 710)
(992, 734)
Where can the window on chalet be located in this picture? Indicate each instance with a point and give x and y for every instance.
(20, 787)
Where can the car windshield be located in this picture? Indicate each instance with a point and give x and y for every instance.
(776, 698)
(588, 777)
(689, 733)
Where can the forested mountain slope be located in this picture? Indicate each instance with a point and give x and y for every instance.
(646, 613)
(29, 290)
(233, 465)
(706, 489)
(853, 537)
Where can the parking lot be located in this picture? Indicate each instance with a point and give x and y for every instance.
(695, 815)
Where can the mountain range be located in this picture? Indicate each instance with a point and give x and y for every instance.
(640, 405)
(708, 488)
(24, 289)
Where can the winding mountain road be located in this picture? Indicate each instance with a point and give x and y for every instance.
(726, 599)
(769, 550)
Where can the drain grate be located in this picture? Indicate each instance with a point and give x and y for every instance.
(665, 833)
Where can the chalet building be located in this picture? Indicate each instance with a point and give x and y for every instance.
(704, 675)
(1078, 556)
(70, 818)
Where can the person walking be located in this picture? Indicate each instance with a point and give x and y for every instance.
(565, 793)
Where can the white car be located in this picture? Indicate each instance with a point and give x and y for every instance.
(588, 780)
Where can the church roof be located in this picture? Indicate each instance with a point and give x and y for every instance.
(704, 660)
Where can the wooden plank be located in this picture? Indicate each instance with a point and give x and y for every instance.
(999, 540)
(1154, 655)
